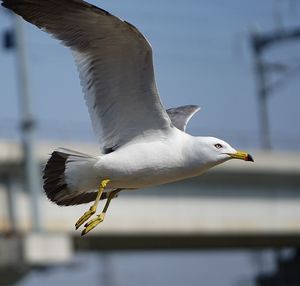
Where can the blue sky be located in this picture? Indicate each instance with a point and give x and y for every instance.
(201, 56)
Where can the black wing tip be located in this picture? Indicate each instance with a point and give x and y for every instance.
(10, 3)
(4, 3)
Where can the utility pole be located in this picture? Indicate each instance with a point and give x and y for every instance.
(262, 93)
(260, 43)
(32, 177)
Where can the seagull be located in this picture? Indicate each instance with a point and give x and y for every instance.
(141, 143)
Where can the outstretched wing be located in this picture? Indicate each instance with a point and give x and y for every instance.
(180, 116)
(114, 61)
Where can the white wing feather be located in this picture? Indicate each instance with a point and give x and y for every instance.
(115, 65)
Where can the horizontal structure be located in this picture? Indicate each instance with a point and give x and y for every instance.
(236, 204)
(281, 163)
(185, 242)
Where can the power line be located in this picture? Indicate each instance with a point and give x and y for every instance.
(261, 42)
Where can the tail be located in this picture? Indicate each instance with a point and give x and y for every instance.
(67, 175)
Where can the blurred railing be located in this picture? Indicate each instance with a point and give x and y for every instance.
(82, 132)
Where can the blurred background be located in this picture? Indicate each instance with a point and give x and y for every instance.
(239, 224)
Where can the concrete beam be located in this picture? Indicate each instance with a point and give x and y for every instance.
(179, 241)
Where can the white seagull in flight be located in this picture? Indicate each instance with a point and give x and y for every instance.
(142, 144)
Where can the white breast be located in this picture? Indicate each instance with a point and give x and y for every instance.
(148, 163)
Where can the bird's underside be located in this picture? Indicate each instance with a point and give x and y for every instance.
(65, 167)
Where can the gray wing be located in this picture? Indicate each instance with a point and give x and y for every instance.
(180, 116)
(115, 65)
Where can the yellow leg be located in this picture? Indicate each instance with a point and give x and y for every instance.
(93, 208)
(100, 218)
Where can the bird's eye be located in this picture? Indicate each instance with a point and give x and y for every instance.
(218, 146)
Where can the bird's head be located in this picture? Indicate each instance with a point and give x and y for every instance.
(217, 151)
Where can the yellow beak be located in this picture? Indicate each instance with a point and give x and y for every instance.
(242, 155)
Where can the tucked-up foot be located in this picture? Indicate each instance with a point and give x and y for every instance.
(104, 183)
(85, 216)
(93, 223)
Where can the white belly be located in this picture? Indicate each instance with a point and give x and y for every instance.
(138, 166)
